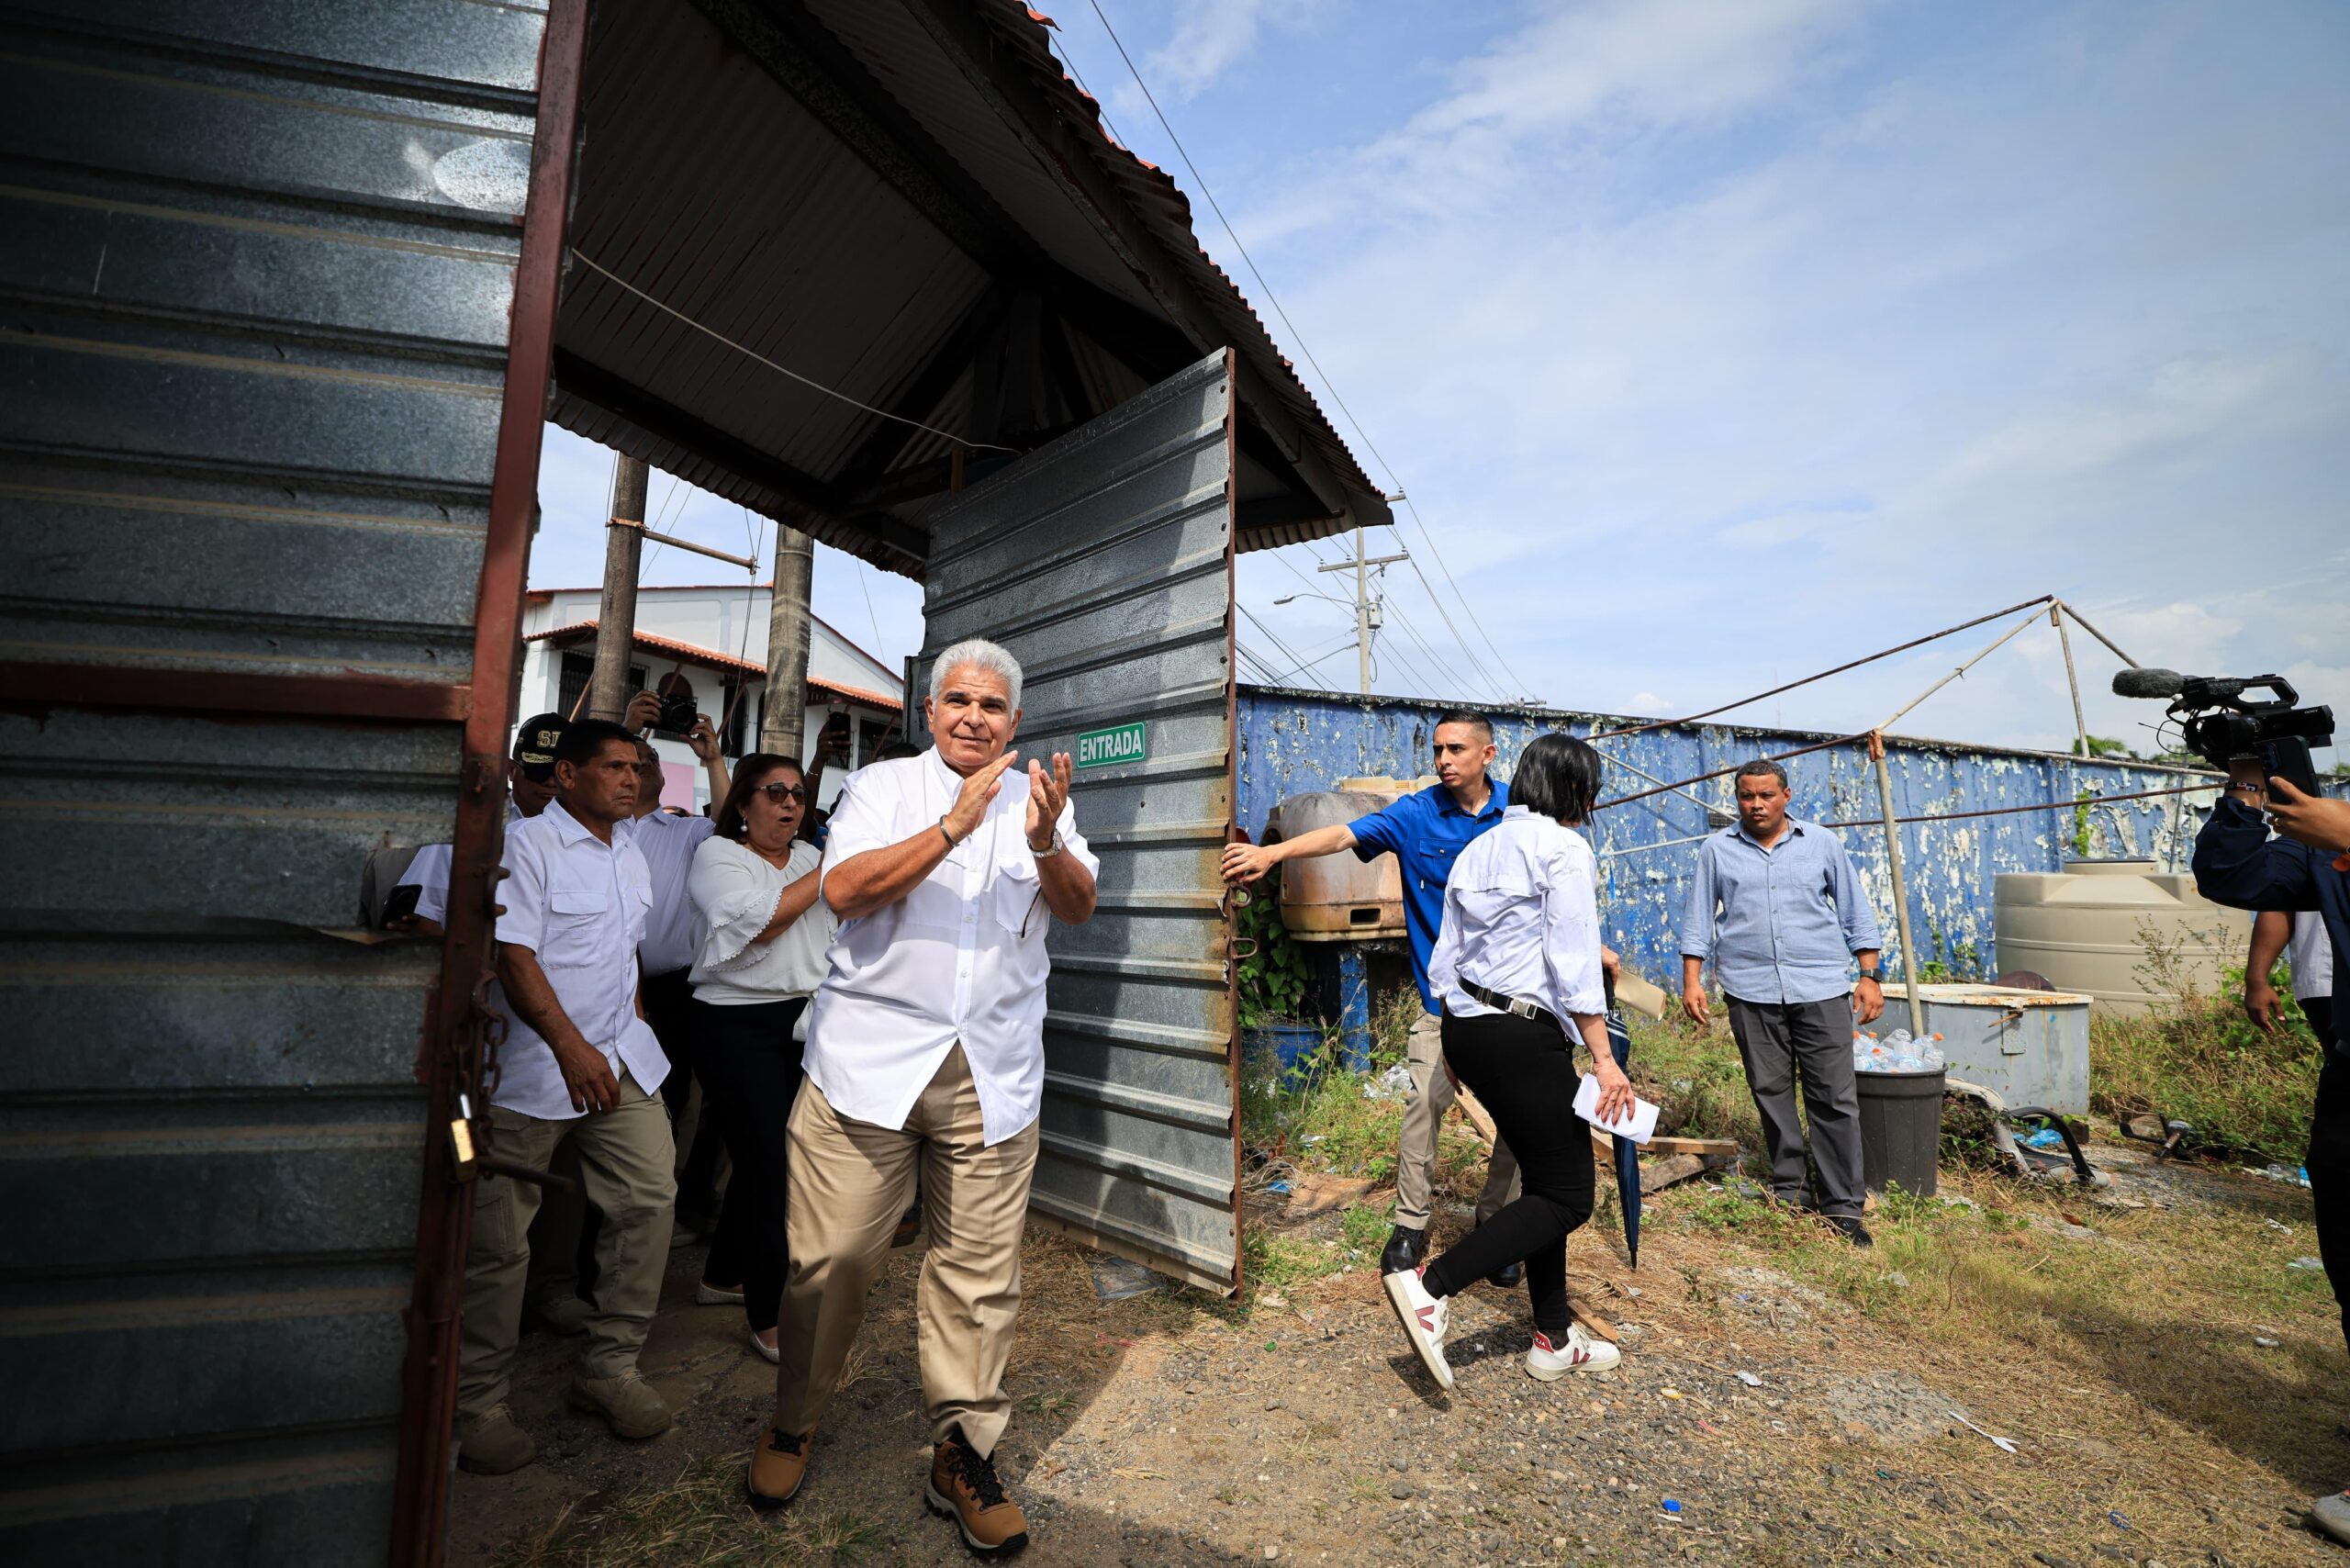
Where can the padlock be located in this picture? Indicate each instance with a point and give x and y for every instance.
(461, 1140)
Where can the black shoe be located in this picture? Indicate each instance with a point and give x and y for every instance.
(1406, 1248)
(1851, 1230)
(1508, 1278)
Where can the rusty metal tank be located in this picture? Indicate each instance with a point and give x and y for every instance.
(1336, 897)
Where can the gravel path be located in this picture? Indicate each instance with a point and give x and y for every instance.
(1168, 1429)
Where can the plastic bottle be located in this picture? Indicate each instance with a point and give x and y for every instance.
(1929, 1054)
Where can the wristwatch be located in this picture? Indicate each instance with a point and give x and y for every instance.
(1050, 849)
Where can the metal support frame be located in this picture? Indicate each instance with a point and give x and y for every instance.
(1900, 886)
(456, 1024)
(2071, 679)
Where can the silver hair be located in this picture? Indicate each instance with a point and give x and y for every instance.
(975, 653)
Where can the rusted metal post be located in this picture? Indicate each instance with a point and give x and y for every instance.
(459, 1037)
(608, 691)
(2080, 725)
(781, 731)
(1901, 887)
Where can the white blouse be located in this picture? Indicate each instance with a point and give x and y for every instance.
(1521, 917)
(733, 890)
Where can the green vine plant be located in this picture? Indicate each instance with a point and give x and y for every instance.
(2083, 832)
(1273, 976)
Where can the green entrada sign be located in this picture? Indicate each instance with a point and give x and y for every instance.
(1120, 743)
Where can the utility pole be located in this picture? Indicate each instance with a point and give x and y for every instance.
(788, 627)
(1368, 614)
(608, 692)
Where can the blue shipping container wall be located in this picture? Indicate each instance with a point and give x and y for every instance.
(1292, 742)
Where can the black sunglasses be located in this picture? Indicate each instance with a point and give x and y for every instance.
(780, 793)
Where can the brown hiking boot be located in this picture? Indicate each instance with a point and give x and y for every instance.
(495, 1444)
(778, 1467)
(964, 1487)
(627, 1402)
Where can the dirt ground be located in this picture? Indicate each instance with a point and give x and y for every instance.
(2174, 1387)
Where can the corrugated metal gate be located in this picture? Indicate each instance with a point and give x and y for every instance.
(1104, 562)
(260, 263)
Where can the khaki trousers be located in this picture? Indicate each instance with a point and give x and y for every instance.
(625, 1156)
(1432, 1096)
(849, 1183)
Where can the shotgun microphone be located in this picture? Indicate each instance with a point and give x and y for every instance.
(2148, 683)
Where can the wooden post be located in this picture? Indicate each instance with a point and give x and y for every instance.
(608, 692)
(787, 633)
(1901, 887)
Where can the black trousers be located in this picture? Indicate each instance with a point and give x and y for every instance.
(2329, 1156)
(1523, 1071)
(750, 1076)
(1787, 1045)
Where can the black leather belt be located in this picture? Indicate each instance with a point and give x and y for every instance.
(1515, 1007)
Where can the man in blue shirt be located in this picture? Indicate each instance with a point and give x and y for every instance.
(1425, 832)
(1777, 908)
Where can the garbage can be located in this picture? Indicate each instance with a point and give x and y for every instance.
(1291, 1046)
(1901, 1129)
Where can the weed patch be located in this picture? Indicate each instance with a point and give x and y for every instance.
(2197, 1059)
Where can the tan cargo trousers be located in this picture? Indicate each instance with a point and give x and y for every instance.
(625, 1158)
(1432, 1096)
(850, 1181)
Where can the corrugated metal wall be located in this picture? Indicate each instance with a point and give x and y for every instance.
(1104, 563)
(258, 262)
(1291, 742)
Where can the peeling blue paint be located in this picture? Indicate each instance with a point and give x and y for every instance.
(1291, 742)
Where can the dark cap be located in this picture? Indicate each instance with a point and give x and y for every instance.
(534, 745)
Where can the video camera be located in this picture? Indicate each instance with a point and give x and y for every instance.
(2221, 726)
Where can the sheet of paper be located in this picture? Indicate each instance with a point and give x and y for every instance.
(1642, 1125)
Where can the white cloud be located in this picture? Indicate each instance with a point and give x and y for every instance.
(1210, 35)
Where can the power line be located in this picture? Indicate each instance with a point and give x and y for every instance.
(1457, 681)
(1328, 385)
(783, 370)
(1272, 636)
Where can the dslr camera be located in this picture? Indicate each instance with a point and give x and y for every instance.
(2222, 725)
(678, 713)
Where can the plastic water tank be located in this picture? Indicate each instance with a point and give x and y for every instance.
(1336, 897)
(2097, 927)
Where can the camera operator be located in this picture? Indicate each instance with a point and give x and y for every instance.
(2306, 867)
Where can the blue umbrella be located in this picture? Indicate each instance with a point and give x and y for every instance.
(1628, 1153)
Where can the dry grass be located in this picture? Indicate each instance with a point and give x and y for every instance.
(697, 1521)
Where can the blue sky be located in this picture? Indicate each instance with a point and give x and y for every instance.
(1720, 342)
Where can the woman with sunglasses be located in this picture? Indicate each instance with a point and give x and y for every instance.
(760, 939)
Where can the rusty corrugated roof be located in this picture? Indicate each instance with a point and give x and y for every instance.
(862, 193)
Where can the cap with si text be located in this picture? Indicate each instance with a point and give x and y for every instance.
(535, 742)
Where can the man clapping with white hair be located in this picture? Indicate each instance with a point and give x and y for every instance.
(925, 1050)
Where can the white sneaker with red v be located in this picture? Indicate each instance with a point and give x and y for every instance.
(1423, 1318)
(1578, 1352)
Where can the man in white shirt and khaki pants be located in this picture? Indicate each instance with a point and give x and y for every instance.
(925, 1050)
(580, 1065)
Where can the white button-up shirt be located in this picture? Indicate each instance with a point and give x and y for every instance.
(669, 844)
(429, 873)
(1521, 917)
(581, 905)
(961, 957)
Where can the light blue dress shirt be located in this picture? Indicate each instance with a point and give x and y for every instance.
(1778, 925)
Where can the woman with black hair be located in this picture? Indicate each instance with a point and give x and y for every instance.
(1517, 965)
(760, 934)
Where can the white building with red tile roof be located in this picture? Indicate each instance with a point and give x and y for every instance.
(714, 638)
